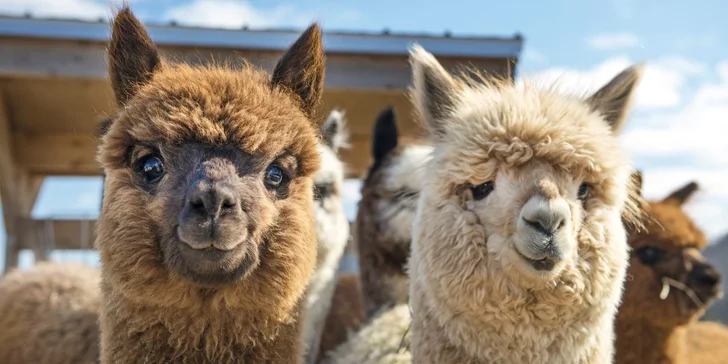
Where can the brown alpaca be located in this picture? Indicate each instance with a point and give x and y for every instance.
(384, 218)
(206, 234)
(671, 286)
(49, 314)
(345, 316)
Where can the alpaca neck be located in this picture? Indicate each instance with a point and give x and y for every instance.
(383, 280)
(639, 341)
(136, 333)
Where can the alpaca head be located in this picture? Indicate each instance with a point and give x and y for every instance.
(390, 190)
(525, 189)
(672, 283)
(209, 172)
(332, 226)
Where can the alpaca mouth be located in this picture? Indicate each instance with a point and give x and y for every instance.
(695, 296)
(543, 264)
(212, 266)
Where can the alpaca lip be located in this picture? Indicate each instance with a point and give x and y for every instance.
(545, 264)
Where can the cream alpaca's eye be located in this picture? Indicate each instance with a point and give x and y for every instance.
(273, 177)
(583, 191)
(482, 191)
(152, 168)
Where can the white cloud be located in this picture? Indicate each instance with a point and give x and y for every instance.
(235, 14)
(77, 9)
(532, 55)
(661, 86)
(613, 41)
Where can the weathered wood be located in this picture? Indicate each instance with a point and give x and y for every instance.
(44, 235)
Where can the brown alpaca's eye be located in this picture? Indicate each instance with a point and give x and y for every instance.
(482, 191)
(273, 177)
(152, 168)
(583, 191)
(649, 255)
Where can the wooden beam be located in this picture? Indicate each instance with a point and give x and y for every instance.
(11, 189)
(51, 234)
(66, 59)
(58, 154)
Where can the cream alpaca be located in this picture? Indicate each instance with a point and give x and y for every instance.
(519, 252)
(332, 230)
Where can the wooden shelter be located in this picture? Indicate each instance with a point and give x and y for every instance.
(54, 89)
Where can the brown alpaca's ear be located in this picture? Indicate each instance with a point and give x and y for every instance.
(434, 92)
(637, 182)
(302, 69)
(682, 194)
(613, 99)
(133, 58)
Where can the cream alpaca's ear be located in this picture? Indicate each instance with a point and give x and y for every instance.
(333, 132)
(302, 68)
(133, 57)
(682, 194)
(434, 89)
(613, 99)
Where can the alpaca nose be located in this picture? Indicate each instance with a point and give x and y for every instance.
(704, 275)
(547, 216)
(211, 199)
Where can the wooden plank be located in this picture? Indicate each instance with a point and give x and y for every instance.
(9, 189)
(52, 58)
(59, 154)
(58, 234)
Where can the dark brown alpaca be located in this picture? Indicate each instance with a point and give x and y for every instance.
(206, 234)
(383, 230)
(670, 286)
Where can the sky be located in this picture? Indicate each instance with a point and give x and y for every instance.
(678, 127)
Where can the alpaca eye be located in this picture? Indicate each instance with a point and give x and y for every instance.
(152, 168)
(273, 177)
(482, 191)
(583, 191)
(649, 255)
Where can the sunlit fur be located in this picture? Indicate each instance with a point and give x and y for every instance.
(346, 315)
(332, 230)
(386, 210)
(473, 297)
(230, 121)
(49, 314)
(651, 329)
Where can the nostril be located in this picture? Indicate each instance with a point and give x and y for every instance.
(708, 279)
(228, 204)
(536, 225)
(197, 204)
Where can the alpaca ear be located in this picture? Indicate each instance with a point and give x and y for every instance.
(682, 194)
(302, 68)
(104, 126)
(613, 99)
(333, 131)
(637, 182)
(385, 136)
(133, 57)
(434, 90)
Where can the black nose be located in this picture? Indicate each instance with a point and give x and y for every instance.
(704, 275)
(211, 199)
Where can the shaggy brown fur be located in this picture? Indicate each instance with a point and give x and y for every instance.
(206, 234)
(384, 218)
(49, 314)
(658, 323)
(345, 316)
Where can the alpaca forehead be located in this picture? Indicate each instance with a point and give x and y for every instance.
(673, 227)
(407, 168)
(515, 127)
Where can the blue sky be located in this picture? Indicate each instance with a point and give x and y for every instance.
(679, 123)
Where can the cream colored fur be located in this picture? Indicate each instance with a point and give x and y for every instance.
(473, 297)
(405, 172)
(332, 228)
(384, 340)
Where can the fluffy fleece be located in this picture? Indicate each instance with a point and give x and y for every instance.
(49, 314)
(672, 284)
(332, 230)
(206, 235)
(384, 340)
(519, 253)
(346, 314)
(386, 210)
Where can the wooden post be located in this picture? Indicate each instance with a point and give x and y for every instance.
(18, 191)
